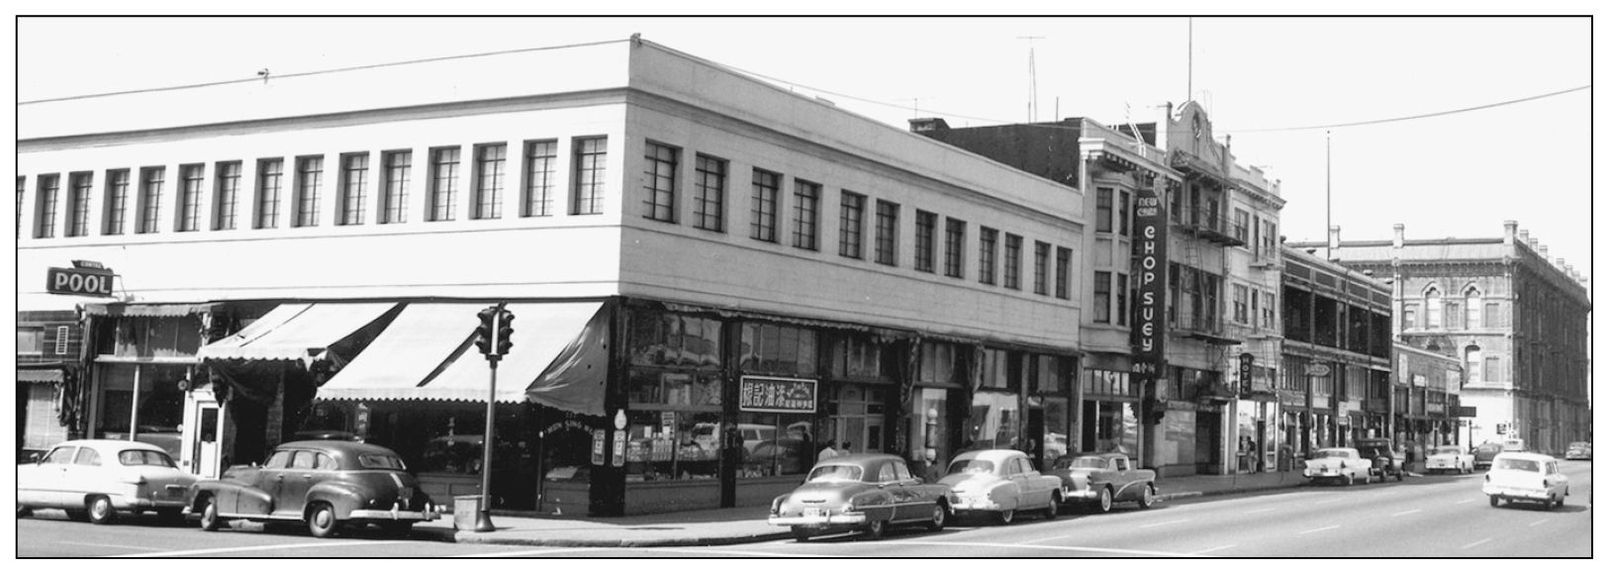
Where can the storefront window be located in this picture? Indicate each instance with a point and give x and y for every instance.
(673, 445)
(776, 444)
(940, 364)
(1116, 427)
(153, 337)
(157, 408)
(855, 357)
(699, 389)
(772, 348)
(994, 420)
(858, 416)
(669, 339)
(1055, 425)
(924, 435)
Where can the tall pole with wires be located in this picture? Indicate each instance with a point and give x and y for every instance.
(1033, 112)
(1329, 196)
(1189, 59)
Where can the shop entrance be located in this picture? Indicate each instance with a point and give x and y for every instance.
(1207, 455)
(204, 426)
(859, 417)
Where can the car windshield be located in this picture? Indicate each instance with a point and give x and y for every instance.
(380, 461)
(1517, 464)
(1447, 450)
(975, 466)
(1331, 454)
(835, 473)
(145, 458)
(1082, 462)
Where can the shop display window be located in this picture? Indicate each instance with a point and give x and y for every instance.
(775, 444)
(673, 445)
(682, 389)
(1055, 429)
(855, 357)
(940, 364)
(778, 349)
(152, 337)
(993, 420)
(669, 339)
(157, 409)
(1053, 374)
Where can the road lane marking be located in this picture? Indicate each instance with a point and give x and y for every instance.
(1476, 543)
(259, 548)
(1261, 511)
(1329, 501)
(1318, 529)
(1467, 501)
(110, 545)
(1058, 548)
(1203, 551)
(1404, 513)
(1537, 523)
(1154, 525)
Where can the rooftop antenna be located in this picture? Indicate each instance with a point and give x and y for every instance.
(1189, 59)
(1329, 195)
(1033, 111)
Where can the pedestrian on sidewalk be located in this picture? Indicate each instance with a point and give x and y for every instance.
(829, 451)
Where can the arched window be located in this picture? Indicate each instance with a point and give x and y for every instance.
(1435, 308)
(1474, 309)
(1474, 365)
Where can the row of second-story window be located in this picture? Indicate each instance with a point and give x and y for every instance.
(1051, 265)
(133, 199)
(1113, 216)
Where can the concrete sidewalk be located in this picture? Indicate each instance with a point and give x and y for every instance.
(749, 524)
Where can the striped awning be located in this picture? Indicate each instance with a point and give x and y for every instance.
(39, 376)
(295, 331)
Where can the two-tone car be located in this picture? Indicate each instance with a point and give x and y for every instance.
(1337, 464)
(1525, 477)
(325, 484)
(99, 480)
(1578, 450)
(861, 492)
(1483, 454)
(999, 483)
(1384, 461)
(1099, 480)
(1450, 458)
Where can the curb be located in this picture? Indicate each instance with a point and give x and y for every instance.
(473, 537)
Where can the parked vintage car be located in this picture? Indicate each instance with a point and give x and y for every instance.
(1483, 454)
(1450, 458)
(1001, 483)
(1525, 477)
(1101, 479)
(325, 484)
(1337, 463)
(861, 492)
(100, 479)
(1384, 461)
(1578, 450)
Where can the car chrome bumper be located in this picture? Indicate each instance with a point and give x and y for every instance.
(1511, 493)
(840, 519)
(976, 505)
(1088, 494)
(394, 515)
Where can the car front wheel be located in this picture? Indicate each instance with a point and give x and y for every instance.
(322, 520)
(876, 529)
(1005, 516)
(1494, 501)
(101, 510)
(937, 518)
(209, 515)
(1052, 506)
(1105, 500)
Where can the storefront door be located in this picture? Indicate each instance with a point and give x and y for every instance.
(204, 427)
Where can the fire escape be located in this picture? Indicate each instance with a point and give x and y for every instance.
(1198, 210)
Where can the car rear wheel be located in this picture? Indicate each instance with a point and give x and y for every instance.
(1147, 497)
(1052, 506)
(937, 518)
(209, 515)
(1005, 516)
(321, 520)
(802, 534)
(876, 529)
(101, 510)
(1105, 500)
(24, 511)
(1494, 501)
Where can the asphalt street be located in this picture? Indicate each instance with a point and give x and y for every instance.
(1437, 516)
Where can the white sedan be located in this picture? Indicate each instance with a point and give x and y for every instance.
(1339, 463)
(1525, 477)
(99, 479)
(1450, 458)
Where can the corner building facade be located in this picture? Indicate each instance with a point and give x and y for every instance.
(1515, 317)
(712, 277)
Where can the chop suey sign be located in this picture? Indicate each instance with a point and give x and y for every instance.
(1152, 235)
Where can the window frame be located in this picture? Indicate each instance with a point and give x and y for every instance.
(764, 185)
(443, 190)
(397, 166)
(956, 234)
(117, 201)
(886, 224)
(354, 181)
(1101, 292)
(1104, 217)
(187, 202)
(539, 168)
(853, 213)
(987, 264)
(808, 208)
(270, 181)
(1012, 261)
(226, 193)
(310, 176)
(489, 173)
(79, 187)
(659, 181)
(589, 155)
(152, 179)
(710, 193)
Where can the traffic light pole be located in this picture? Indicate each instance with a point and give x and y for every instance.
(484, 521)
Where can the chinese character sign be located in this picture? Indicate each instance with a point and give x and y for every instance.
(777, 394)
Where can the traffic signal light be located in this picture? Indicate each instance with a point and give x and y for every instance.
(484, 331)
(503, 343)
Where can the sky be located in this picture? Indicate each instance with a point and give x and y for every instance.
(1454, 175)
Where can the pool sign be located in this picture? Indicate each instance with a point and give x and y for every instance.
(80, 281)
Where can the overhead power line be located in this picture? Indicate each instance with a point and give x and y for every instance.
(1414, 117)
